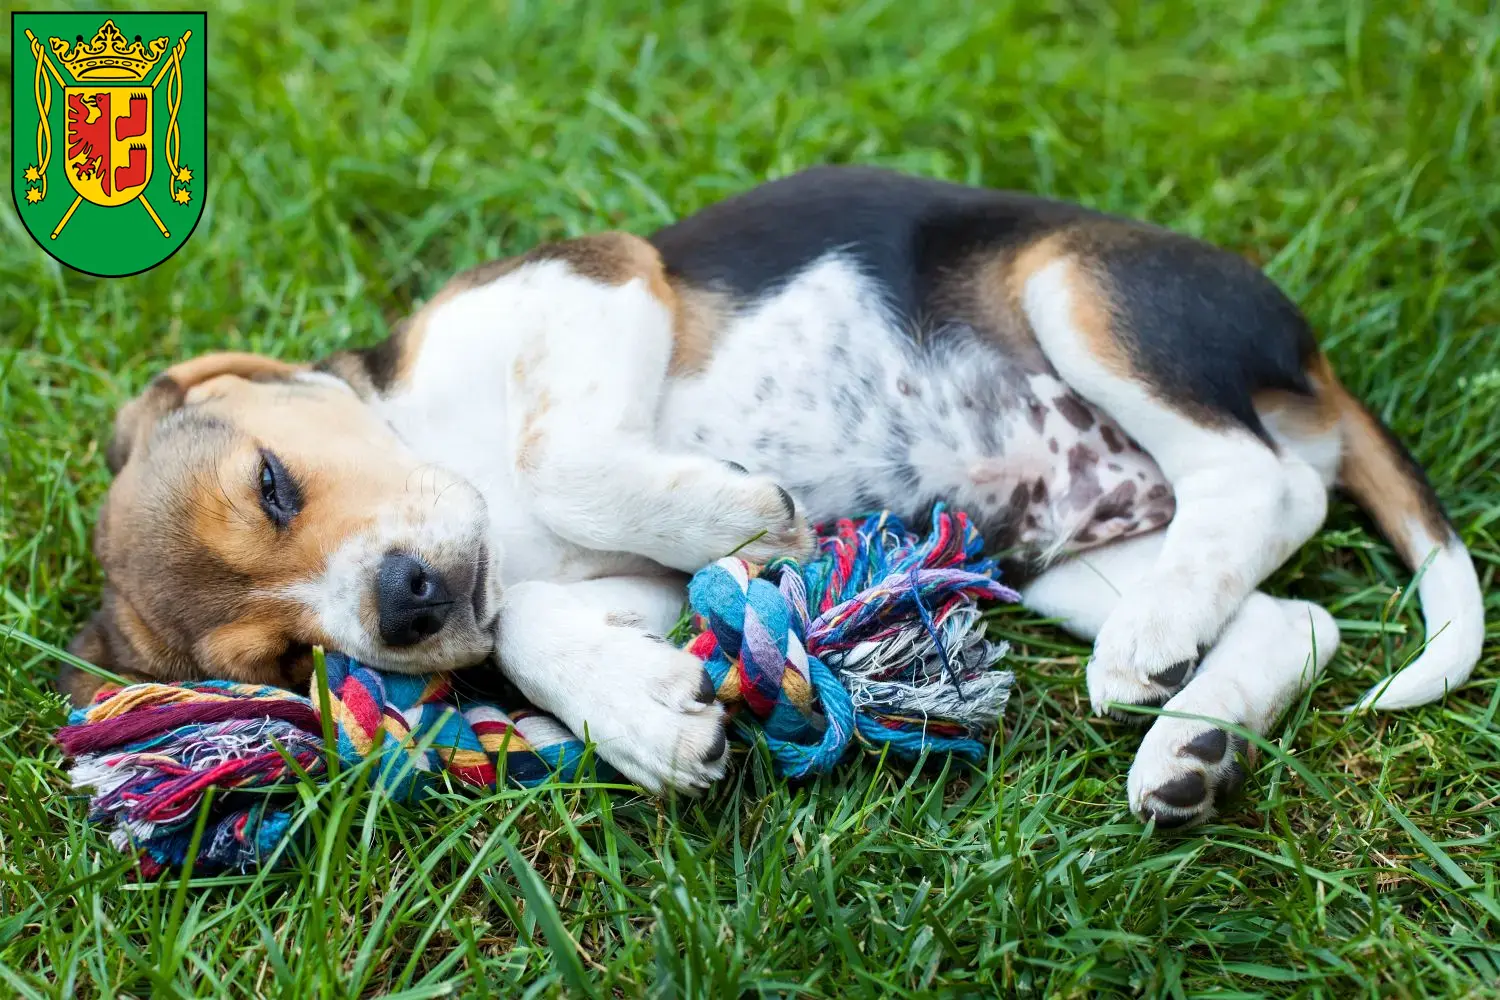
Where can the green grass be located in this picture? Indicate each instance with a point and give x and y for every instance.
(361, 154)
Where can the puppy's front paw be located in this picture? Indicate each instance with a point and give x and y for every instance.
(1143, 656)
(783, 532)
(1184, 770)
(658, 722)
(719, 509)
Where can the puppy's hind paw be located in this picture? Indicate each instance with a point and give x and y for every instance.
(1184, 771)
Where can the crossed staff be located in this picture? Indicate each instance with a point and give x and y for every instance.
(174, 60)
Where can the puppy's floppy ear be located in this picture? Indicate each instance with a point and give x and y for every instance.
(168, 390)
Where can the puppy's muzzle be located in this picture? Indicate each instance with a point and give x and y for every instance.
(412, 599)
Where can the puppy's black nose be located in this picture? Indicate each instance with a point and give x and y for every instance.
(412, 599)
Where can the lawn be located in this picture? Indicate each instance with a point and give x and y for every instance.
(362, 152)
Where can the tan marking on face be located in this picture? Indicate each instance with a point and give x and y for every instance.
(146, 644)
(202, 582)
(344, 472)
(255, 649)
(138, 417)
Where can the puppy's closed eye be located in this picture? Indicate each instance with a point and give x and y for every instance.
(280, 496)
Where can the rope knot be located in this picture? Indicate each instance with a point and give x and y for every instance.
(896, 656)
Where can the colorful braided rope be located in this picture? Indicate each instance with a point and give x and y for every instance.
(877, 641)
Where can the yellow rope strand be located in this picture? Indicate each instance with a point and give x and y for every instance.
(172, 145)
(42, 90)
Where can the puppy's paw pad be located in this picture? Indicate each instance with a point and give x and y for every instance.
(1175, 677)
(1140, 658)
(1209, 746)
(1186, 791)
(1181, 777)
(1112, 690)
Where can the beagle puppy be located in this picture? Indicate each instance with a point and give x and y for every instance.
(527, 467)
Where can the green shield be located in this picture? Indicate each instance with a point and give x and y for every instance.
(108, 121)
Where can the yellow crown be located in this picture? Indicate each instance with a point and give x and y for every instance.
(109, 57)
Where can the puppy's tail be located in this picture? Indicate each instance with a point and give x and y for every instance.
(1392, 488)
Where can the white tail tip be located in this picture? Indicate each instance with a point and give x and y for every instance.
(1453, 609)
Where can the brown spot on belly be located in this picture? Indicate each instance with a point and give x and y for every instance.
(1081, 457)
(1020, 499)
(1074, 411)
(1083, 476)
(1116, 503)
(1111, 439)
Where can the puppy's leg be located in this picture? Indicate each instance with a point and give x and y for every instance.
(590, 363)
(1270, 651)
(1083, 593)
(1242, 508)
(593, 654)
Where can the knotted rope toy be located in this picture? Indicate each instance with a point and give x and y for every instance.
(876, 641)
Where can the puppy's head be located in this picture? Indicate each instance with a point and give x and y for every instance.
(259, 509)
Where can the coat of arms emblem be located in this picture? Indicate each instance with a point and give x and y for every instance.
(108, 135)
